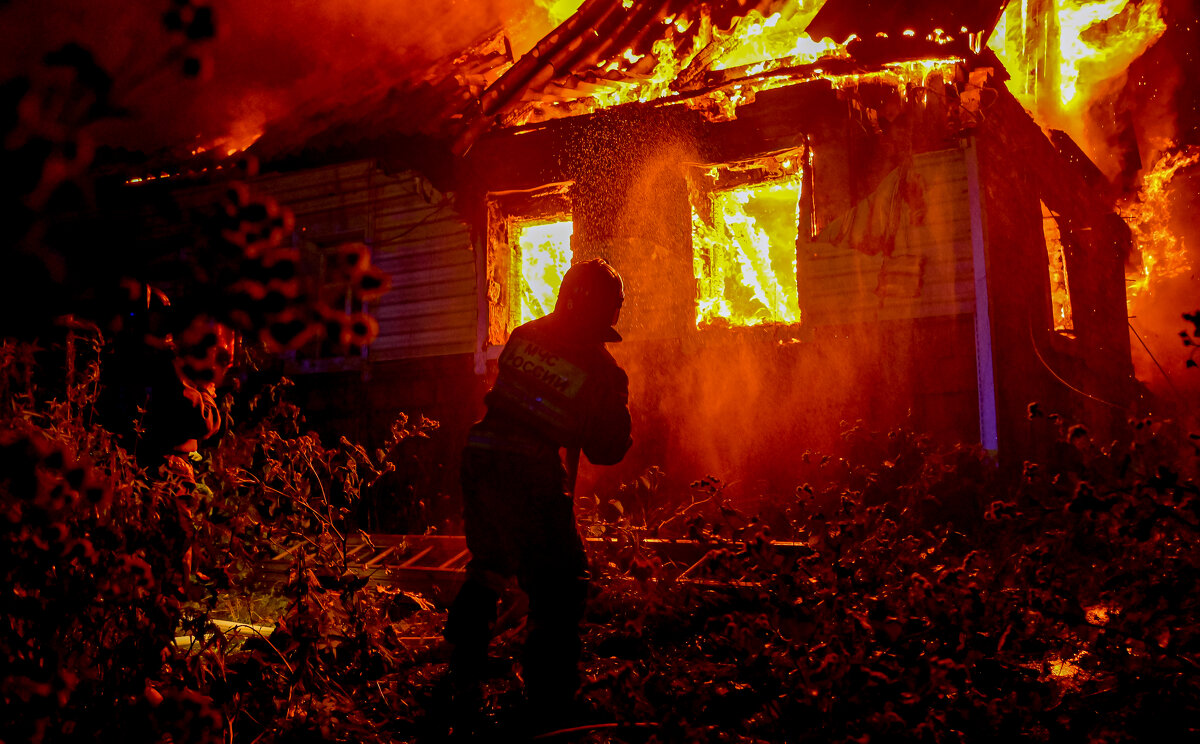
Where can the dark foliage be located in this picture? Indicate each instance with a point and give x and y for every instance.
(905, 593)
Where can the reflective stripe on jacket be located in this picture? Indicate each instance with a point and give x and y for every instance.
(565, 391)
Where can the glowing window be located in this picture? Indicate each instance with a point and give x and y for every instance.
(1060, 291)
(744, 224)
(528, 251)
(543, 255)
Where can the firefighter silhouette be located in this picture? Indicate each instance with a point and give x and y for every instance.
(557, 388)
(164, 369)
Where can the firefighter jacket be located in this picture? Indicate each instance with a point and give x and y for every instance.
(556, 388)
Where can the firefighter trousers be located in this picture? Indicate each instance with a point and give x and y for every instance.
(520, 522)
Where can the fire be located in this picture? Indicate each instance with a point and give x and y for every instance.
(559, 10)
(1062, 669)
(1060, 293)
(544, 255)
(1130, 30)
(656, 85)
(767, 42)
(1100, 614)
(755, 42)
(745, 256)
(1061, 52)
(1163, 253)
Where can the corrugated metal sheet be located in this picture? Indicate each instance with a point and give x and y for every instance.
(415, 237)
(933, 277)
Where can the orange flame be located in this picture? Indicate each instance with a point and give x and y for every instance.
(1060, 54)
(755, 42)
(1149, 216)
(763, 43)
(1131, 29)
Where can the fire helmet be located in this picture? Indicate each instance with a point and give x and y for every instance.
(591, 295)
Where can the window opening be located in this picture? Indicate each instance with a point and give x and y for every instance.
(1060, 293)
(744, 227)
(543, 257)
(528, 252)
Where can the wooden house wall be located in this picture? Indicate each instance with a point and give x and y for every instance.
(415, 236)
(422, 362)
(932, 276)
(1086, 376)
(750, 400)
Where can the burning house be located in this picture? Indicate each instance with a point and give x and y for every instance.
(814, 234)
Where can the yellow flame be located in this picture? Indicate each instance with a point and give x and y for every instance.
(745, 260)
(1112, 52)
(559, 10)
(758, 42)
(778, 37)
(1060, 292)
(1061, 668)
(1163, 253)
(1058, 54)
(544, 256)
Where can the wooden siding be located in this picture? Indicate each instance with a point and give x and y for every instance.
(416, 237)
(932, 277)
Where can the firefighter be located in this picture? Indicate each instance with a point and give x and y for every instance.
(185, 408)
(159, 392)
(557, 388)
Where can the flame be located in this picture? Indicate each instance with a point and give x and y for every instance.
(755, 42)
(772, 41)
(656, 85)
(1100, 614)
(1164, 255)
(1060, 55)
(559, 10)
(1113, 51)
(544, 250)
(1060, 293)
(745, 260)
(757, 53)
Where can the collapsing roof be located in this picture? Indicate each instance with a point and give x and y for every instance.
(608, 53)
(611, 52)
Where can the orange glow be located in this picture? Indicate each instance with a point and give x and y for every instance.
(559, 10)
(1060, 293)
(544, 255)
(1163, 253)
(744, 254)
(1062, 669)
(1099, 614)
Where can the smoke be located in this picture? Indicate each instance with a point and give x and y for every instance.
(270, 58)
(741, 404)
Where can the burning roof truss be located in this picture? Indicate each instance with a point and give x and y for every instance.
(709, 55)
